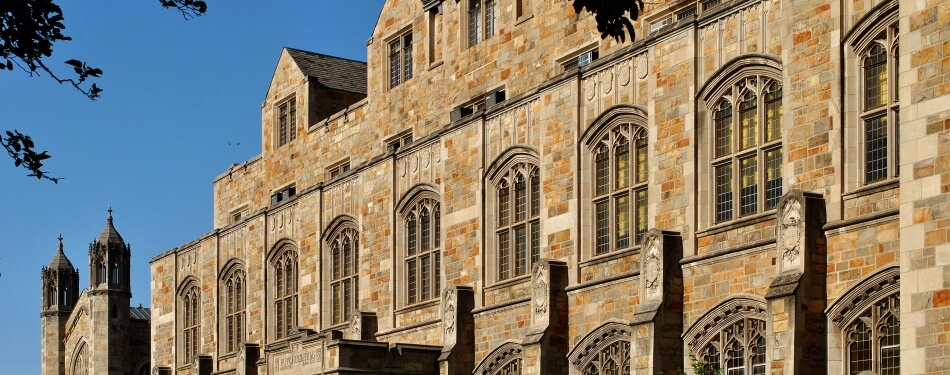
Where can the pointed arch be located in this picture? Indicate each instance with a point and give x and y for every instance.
(606, 345)
(79, 364)
(513, 200)
(737, 69)
(232, 290)
(613, 116)
(416, 193)
(506, 359)
(339, 223)
(722, 315)
(871, 289)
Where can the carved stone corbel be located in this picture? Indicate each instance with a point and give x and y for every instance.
(363, 326)
(656, 344)
(458, 331)
(545, 343)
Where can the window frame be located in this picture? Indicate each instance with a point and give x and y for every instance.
(481, 20)
(523, 160)
(400, 57)
(888, 109)
(609, 144)
(733, 99)
(507, 223)
(342, 304)
(233, 307)
(286, 121)
(283, 306)
(189, 303)
(415, 255)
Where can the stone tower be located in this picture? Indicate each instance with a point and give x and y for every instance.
(109, 294)
(60, 283)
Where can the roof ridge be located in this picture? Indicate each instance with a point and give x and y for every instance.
(324, 55)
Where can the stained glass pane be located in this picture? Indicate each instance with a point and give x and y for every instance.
(602, 224)
(642, 218)
(521, 250)
(723, 121)
(748, 120)
(622, 212)
(622, 166)
(875, 78)
(750, 189)
(875, 148)
(642, 167)
(859, 349)
(724, 192)
(601, 168)
(504, 249)
(411, 280)
(773, 114)
(773, 177)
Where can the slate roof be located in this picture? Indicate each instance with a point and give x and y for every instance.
(140, 313)
(109, 234)
(60, 261)
(330, 71)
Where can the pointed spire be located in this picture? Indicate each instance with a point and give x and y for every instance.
(60, 261)
(109, 234)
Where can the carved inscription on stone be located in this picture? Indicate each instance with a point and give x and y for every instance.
(297, 360)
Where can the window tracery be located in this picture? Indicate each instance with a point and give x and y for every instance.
(879, 111)
(190, 303)
(344, 281)
(423, 250)
(747, 142)
(620, 188)
(518, 227)
(285, 291)
(233, 306)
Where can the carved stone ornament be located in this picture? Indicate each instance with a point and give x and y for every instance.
(589, 88)
(541, 292)
(448, 312)
(652, 269)
(641, 67)
(792, 230)
(155, 370)
(355, 323)
(241, 362)
(607, 81)
(624, 73)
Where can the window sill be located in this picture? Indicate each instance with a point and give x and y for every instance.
(524, 19)
(510, 282)
(435, 64)
(610, 256)
(738, 223)
(418, 306)
(869, 189)
(228, 355)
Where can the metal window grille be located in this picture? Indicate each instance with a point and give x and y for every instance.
(709, 4)
(686, 12)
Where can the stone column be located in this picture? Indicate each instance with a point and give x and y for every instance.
(545, 344)
(796, 299)
(247, 359)
(657, 345)
(203, 365)
(458, 331)
(363, 326)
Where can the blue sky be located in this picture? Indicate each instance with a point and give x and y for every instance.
(176, 93)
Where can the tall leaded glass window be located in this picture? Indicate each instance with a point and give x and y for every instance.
(738, 349)
(517, 230)
(234, 303)
(400, 59)
(423, 251)
(879, 107)
(286, 122)
(614, 359)
(481, 20)
(620, 189)
(191, 323)
(872, 339)
(285, 293)
(747, 162)
(344, 281)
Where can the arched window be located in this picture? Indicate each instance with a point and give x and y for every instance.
(285, 292)
(620, 189)
(879, 107)
(423, 250)
(233, 306)
(868, 317)
(344, 280)
(518, 227)
(730, 338)
(81, 361)
(190, 313)
(604, 351)
(747, 148)
(737, 349)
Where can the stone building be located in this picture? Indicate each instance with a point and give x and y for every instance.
(93, 330)
(755, 186)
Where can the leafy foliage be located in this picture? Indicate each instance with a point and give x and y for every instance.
(28, 31)
(614, 17)
(20, 148)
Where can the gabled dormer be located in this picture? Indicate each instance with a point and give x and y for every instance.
(307, 87)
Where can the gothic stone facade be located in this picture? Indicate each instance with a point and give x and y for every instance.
(93, 330)
(754, 186)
